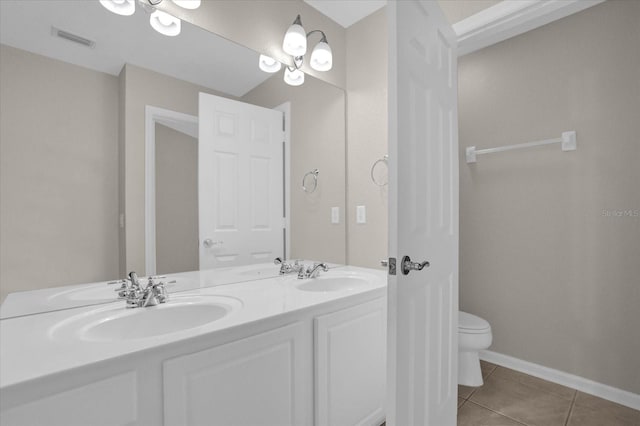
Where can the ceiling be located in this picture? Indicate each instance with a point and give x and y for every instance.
(195, 55)
(348, 12)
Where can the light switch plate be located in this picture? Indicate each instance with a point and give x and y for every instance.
(361, 214)
(335, 215)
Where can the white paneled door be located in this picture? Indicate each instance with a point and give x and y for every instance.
(423, 217)
(240, 183)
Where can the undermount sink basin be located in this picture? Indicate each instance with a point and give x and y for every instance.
(328, 284)
(119, 323)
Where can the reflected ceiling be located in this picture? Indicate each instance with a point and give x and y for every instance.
(217, 64)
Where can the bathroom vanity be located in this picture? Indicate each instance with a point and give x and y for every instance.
(272, 351)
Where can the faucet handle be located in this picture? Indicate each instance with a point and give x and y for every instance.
(124, 285)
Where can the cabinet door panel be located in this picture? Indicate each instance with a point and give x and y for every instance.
(350, 370)
(259, 380)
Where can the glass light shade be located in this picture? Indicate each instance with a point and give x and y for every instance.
(293, 78)
(188, 4)
(120, 7)
(268, 64)
(321, 57)
(295, 41)
(164, 23)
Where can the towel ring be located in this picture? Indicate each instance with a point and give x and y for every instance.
(310, 188)
(384, 161)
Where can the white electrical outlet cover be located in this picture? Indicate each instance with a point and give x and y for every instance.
(361, 214)
(335, 215)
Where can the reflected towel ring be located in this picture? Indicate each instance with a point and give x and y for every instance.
(384, 161)
(312, 187)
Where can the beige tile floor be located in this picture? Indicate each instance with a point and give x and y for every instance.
(512, 398)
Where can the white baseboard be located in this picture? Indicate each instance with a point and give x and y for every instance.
(607, 392)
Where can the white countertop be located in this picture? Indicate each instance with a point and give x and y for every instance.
(77, 295)
(35, 346)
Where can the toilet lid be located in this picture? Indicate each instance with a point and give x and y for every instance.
(468, 323)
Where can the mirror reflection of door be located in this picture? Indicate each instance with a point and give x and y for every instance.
(241, 183)
(240, 186)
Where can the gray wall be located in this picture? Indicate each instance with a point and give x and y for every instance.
(317, 142)
(367, 138)
(176, 201)
(58, 173)
(558, 280)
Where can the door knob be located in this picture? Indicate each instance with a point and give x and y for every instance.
(208, 243)
(408, 265)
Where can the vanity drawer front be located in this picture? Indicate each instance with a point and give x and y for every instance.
(259, 380)
(108, 402)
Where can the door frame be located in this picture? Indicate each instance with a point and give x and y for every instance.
(286, 110)
(155, 115)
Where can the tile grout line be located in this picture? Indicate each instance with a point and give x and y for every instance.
(573, 402)
(498, 413)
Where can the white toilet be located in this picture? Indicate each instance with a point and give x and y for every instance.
(474, 335)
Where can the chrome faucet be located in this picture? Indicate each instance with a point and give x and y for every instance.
(313, 271)
(152, 294)
(288, 268)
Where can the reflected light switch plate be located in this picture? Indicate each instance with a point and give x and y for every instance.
(335, 215)
(361, 214)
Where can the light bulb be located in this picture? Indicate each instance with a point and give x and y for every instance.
(268, 64)
(164, 23)
(120, 7)
(188, 4)
(295, 39)
(293, 78)
(321, 57)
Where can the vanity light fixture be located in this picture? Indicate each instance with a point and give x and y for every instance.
(295, 39)
(268, 64)
(293, 77)
(295, 44)
(120, 7)
(164, 23)
(321, 57)
(160, 21)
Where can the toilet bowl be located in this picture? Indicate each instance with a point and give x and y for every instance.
(474, 335)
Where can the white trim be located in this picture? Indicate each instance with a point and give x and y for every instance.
(286, 109)
(180, 122)
(607, 392)
(511, 18)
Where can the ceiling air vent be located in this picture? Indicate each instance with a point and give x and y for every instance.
(72, 37)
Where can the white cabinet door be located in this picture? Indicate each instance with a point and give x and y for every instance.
(240, 183)
(260, 380)
(350, 353)
(110, 402)
(423, 215)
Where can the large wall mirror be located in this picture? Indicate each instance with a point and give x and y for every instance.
(102, 158)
